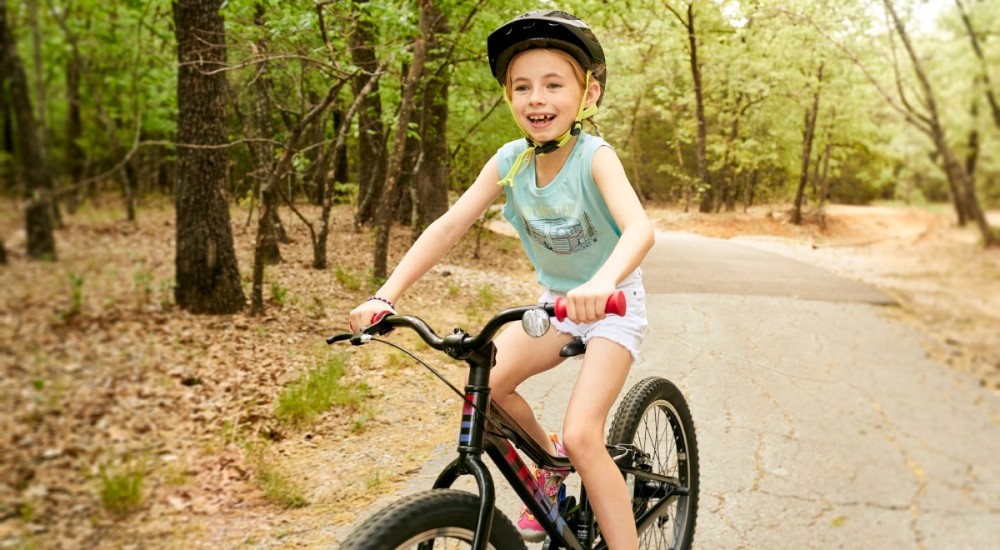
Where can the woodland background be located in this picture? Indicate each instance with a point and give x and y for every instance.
(266, 161)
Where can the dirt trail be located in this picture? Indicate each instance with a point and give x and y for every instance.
(100, 374)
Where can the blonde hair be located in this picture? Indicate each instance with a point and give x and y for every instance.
(578, 73)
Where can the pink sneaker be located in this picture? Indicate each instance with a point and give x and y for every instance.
(550, 481)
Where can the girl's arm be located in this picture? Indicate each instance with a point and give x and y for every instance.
(586, 302)
(433, 243)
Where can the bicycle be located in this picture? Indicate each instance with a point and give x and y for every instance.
(652, 440)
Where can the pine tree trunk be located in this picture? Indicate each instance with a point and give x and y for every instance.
(207, 274)
(37, 181)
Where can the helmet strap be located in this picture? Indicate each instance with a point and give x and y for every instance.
(583, 113)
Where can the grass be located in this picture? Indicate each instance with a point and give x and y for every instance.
(76, 298)
(279, 294)
(348, 280)
(279, 487)
(120, 491)
(485, 303)
(320, 389)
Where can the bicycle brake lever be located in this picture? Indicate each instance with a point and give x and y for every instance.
(376, 328)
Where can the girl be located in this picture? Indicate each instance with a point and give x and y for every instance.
(584, 231)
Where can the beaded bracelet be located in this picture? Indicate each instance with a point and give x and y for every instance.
(381, 299)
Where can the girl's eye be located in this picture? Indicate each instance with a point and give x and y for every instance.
(520, 88)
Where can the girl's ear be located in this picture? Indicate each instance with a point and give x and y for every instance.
(593, 92)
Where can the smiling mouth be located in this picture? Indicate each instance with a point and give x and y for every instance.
(541, 119)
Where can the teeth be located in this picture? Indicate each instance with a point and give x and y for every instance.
(540, 118)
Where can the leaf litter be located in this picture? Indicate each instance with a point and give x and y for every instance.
(115, 379)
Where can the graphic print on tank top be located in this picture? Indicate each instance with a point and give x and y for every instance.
(564, 235)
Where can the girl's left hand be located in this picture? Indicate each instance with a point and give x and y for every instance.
(586, 303)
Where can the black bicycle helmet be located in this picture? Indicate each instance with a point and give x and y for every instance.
(546, 29)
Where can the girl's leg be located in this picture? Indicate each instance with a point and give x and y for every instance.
(520, 357)
(605, 367)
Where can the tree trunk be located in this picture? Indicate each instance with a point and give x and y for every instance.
(807, 140)
(824, 188)
(751, 190)
(371, 132)
(337, 150)
(74, 128)
(37, 181)
(264, 157)
(707, 203)
(383, 220)
(432, 179)
(7, 137)
(266, 251)
(207, 274)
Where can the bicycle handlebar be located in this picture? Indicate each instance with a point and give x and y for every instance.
(384, 322)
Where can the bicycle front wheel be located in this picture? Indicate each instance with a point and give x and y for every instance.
(655, 418)
(444, 518)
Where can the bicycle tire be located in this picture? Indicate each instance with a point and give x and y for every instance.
(445, 516)
(654, 416)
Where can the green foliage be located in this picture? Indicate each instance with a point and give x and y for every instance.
(279, 486)
(348, 280)
(120, 489)
(758, 65)
(279, 293)
(320, 389)
(75, 306)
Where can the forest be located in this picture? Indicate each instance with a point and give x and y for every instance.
(388, 106)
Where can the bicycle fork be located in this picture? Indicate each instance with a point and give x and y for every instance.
(470, 445)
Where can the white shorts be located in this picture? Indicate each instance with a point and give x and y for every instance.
(627, 331)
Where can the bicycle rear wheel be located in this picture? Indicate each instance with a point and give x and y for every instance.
(445, 518)
(655, 418)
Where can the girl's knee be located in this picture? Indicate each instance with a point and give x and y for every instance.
(582, 442)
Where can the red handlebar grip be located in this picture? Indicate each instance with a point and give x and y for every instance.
(380, 315)
(615, 305)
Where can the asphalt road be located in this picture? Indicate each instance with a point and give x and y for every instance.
(821, 423)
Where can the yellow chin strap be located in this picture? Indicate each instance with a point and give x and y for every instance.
(540, 149)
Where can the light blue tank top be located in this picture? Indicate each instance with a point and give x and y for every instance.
(565, 227)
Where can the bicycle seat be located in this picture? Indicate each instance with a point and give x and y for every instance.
(574, 348)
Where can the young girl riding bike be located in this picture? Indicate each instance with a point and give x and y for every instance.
(584, 231)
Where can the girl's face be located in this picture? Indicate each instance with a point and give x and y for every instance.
(546, 89)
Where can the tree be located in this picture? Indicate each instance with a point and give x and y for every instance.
(383, 218)
(207, 274)
(927, 119)
(431, 196)
(808, 132)
(984, 74)
(687, 21)
(38, 188)
(371, 132)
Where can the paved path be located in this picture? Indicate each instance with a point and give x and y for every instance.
(821, 423)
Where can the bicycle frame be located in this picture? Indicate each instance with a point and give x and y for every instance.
(475, 438)
(494, 432)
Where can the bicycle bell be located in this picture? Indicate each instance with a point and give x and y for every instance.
(535, 322)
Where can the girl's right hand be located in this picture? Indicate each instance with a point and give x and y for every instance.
(364, 315)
